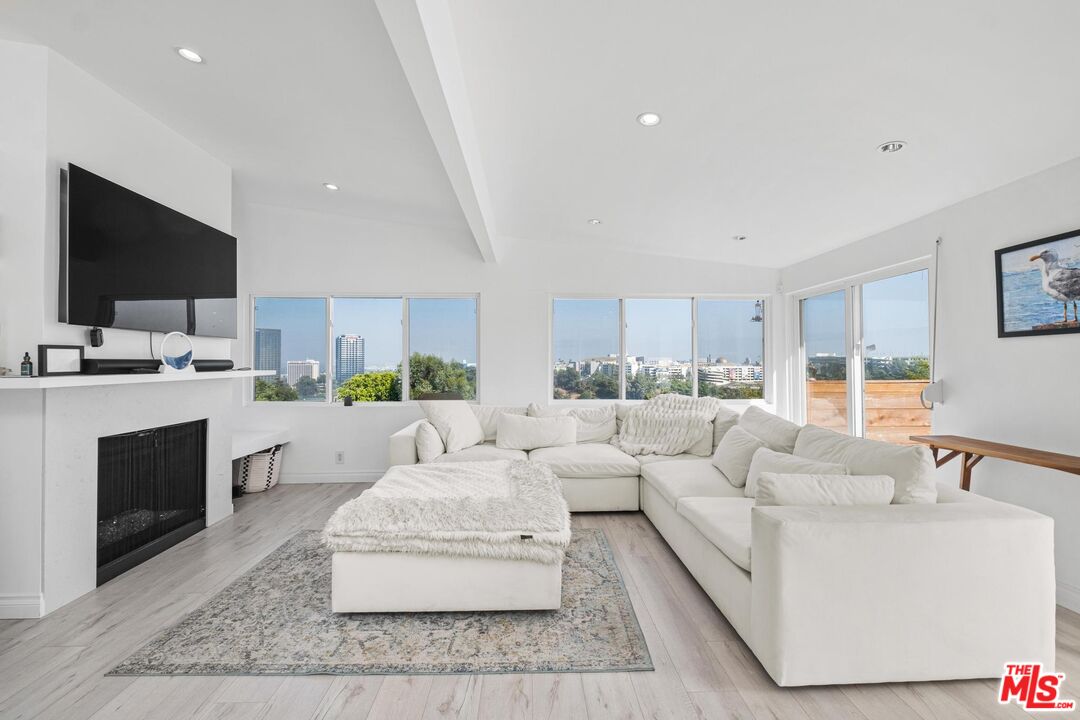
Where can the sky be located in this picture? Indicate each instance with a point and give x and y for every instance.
(656, 328)
(895, 318)
(440, 326)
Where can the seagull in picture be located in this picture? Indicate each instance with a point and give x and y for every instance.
(1060, 283)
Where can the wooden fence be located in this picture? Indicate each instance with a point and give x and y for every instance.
(892, 408)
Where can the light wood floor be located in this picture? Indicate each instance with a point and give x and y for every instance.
(53, 668)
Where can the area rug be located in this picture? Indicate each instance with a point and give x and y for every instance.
(276, 620)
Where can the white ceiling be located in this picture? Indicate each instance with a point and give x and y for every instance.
(771, 110)
(291, 94)
(771, 115)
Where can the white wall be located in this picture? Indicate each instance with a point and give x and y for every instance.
(54, 113)
(289, 251)
(1023, 391)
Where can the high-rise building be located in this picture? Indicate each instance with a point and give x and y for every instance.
(348, 357)
(302, 368)
(268, 349)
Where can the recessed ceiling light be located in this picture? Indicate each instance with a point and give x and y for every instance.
(595, 221)
(189, 54)
(738, 238)
(330, 186)
(891, 146)
(648, 119)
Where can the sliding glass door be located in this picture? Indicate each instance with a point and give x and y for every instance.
(825, 342)
(866, 350)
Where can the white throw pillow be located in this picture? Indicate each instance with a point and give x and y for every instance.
(428, 443)
(529, 433)
(910, 466)
(786, 489)
(455, 421)
(766, 460)
(488, 415)
(777, 433)
(595, 424)
(725, 419)
(734, 454)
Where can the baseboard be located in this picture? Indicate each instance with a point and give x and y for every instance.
(365, 476)
(15, 607)
(1068, 596)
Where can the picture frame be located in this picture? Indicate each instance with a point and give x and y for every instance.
(1038, 286)
(56, 360)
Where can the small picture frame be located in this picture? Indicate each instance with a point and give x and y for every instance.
(1038, 286)
(60, 360)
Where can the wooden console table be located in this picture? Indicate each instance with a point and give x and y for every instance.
(975, 450)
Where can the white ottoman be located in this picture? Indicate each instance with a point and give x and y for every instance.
(455, 536)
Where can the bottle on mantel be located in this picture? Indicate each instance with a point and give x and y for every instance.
(27, 367)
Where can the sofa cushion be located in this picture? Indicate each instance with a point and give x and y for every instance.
(910, 466)
(800, 489)
(725, 522)
(688, 478)
(428, 443)
(588, 460)
(527, 433)
(455, 421)
(735, 453)
(595, 424)
(725, 419)
(488, 415)
(482, 452)
(777, 434)
(646, 459)
(766, 460)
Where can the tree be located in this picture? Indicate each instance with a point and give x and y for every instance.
(307, 388)
(918, 368)
(372, 387)
(604, 387)
(641, 387)
(274, 391)
(430, 374)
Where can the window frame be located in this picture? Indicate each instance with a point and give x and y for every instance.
(766, 342)
(329, 298)
(853, 335)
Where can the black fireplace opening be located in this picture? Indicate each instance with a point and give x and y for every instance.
(151, 494)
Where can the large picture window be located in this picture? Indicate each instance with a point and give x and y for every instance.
(637, 348)
(365, 349)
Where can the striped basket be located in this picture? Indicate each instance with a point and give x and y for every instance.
(259, 471)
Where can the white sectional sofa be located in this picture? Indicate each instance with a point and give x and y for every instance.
(941, 585)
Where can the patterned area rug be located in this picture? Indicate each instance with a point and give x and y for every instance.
(276, 620)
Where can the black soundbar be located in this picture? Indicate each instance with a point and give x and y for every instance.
(117, 366)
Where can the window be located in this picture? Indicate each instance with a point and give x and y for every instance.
(367, 349)
(329, 349)
(652, 351)
(290, 339)
(659, 348)
(867, 357)
(731, 349)
(585, 336)
(442, 348)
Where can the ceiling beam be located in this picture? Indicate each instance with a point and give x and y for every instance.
(422, 33)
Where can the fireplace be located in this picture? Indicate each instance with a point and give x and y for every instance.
(151, 494)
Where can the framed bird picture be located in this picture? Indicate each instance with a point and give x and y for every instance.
(1038, 286)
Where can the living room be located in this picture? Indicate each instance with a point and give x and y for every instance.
(627, 262)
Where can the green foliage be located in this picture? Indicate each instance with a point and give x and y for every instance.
(372, 387)
(307, 388)
(429, 374)
(732, 391)
(274, 391)
(912, 368)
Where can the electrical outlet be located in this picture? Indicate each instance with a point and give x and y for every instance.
(339, 457)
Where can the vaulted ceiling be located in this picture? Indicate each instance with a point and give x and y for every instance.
(518, 118)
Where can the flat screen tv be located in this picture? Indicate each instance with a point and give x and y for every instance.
(129, 262)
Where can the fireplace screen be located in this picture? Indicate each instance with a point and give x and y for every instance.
(151, 493)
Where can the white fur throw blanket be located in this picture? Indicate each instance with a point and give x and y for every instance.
(666, 425)
(504, 509)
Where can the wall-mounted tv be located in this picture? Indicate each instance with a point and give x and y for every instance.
(129, 262)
